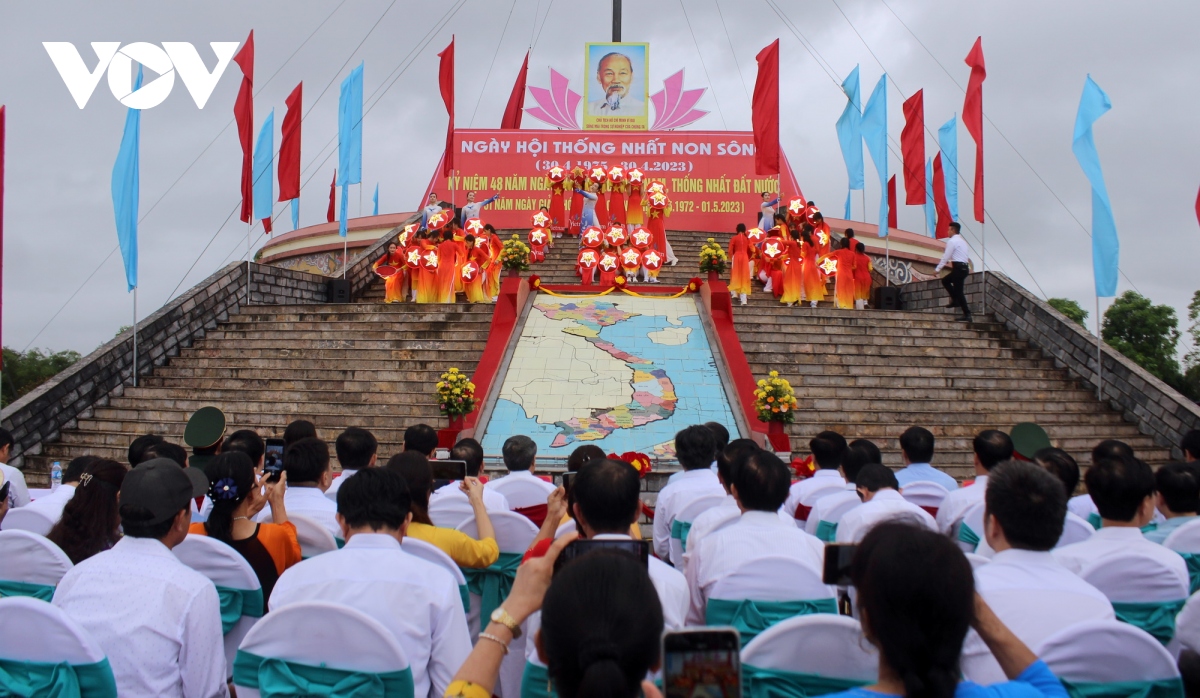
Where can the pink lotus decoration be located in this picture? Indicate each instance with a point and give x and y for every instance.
(673, 104)
(557, 105)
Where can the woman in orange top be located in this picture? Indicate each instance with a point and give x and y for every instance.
(793, 280)
(238, 493)
(426, 279)
(739, 264)
(449, 263)
(813, 280)
(844, 286)
(475, 287)
(610, 264)
(393, 285)
(862, 276)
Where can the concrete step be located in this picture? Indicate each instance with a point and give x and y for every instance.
(347, 340)
(394, 384)
(900, 405)
(951, 381)
(1064, 392)
(176, 376)
(771, 351)
(975, 421)
(421, 358)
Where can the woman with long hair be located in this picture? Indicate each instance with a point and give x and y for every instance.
(91, 522)
(793, 274)
(463, 549)
(238, 492)
(393, 285)
(813, 279)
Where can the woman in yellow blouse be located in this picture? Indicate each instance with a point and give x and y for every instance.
(463, 549)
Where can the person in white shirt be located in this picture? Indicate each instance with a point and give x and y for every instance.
(881, 502)
(760, 486)
(1190, 445)
(356, 449)
(958, 256)
(991, 447)
(430, 209)
(1083, 506)
(521, 487)
(827, 449)
(306, 463)
(451, 497)
(1026, 587)
(417, 600)
(157, 620)
(1178, 498)
(1123, 491)
(859, 453)
(916, 448)
(696, 449)
(51, 506)
(18, 492)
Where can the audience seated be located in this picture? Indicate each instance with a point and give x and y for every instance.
(137, 448)
(414, 468)
(421, 438)
(1082, 505)
(451, 496)
(246, 441)
(49, 507)
(1190, 445)
(416, 600)
(1177, 499)
(826, 449)
(696, 448)
(158, 621)
(299, 429)
(990, 447)
(306, 463)
(18, 492)
(1030, 591)
(916, 447)
(1060, 464)
(90, 521)
(526, 493)
(238, 493)
(877, 486)
(356, 449)
(720, 516)
(858, 453)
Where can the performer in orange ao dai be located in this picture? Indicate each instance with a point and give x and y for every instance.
(862, 276)
(616, 197)
(609, 265)
(793, 280)
(599, 177)
(739, 264)
(558, 211)
(426, 274)
(393, 285)
(813, 280)
(449, 263)
(495, 247)
(474, 271)
(844, 286)
(633, 206)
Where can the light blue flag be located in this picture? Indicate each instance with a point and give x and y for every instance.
(1106, 247)
(342, 217)
(295, 213)
(126, 186)
(264, 158)
(874, 132)
(930, 209)
(849, 135)
(375, 199)
(948, 143)
(350, 115)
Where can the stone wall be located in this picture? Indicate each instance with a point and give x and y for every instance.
(361, 274)
(40, 416)
(1155, 407)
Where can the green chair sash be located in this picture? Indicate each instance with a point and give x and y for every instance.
(341, 542)
(492, 583)
(465, 593)
(45, 592)
(1193, 566)
(680, 531)
(1094, 519)
(774, 683)
(57, 680)
(276, 678)
(535, 682)
(1156, 618)
(236, 603)
(967, 535)
(1163, 688)
(827, 531)
(752, 617)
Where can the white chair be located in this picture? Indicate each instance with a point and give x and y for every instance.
(566, 527)
(977, 561)
(762, 592)
(925, 494)
(1107, 652)
(449, 512)
(434, 554)
(522, 492)
(683, 524)
(809, 499)
(1132, 582)
(36, 493)
(827, 527)
(1075, 530)
(41, 633)
(32, 565)
(1187, 625)
(314, 538)
(824, 645)
(1185, 540)
(28, 519)
(235, 580)
(968, 532)
(319, 635)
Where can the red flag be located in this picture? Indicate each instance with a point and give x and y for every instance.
(2, 174)
(516, 101)
(243, 112)
(1, 217)
(332, 196)
(892, 203)
(912, 144)
(266, 223)
(289, 148)
(446, 83)
(765, 111)
(973, 117)
(940, 202)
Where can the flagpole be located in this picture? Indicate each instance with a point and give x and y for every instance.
(983, 236)
(864, 203)
(135, 355)
(1099, 356)
(249, 227)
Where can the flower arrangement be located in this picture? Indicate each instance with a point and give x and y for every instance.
(640, 461)
(774, 399)
(712, 257)
(455, 393)
(803, 468)
(515, 254)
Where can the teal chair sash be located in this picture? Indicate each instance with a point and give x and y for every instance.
(774, 683)
(236, 603)
(493, 583)
(1094, 519)
(45, 592)
(465, 593)
(752, 617)
(680, 531)
(967, 535)
(57, 680)
(1193, 566)
(1163, 688)
(535, 682)
(827, 531)
(1157, 618)
(276, 678)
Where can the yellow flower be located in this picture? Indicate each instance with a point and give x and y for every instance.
(762, 383)
(454, 370)
(773, 374)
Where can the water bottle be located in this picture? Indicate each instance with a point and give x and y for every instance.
(55, 476)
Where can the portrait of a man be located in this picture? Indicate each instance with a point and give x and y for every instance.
(616, 85)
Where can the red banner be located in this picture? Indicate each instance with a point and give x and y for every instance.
(709, 175)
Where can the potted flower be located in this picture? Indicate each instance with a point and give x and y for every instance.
(713, 259)
(455, 394)
(775, 403)
(515, 255)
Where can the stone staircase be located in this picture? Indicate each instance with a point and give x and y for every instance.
(559, 265)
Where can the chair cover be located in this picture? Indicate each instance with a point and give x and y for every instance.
(314, 538)
(1075, 530)
(827, 527)
(521, 492)
(804, 508)
(50, 654)
(808, 656)
(682, 525)
(450, 512)
(763, 592)
(434, 554)
(27, 519)
(566, 527)
(1109, 659)
(977, 561)
(318, 648)
(1185, 540)
(32, 565)
(238, 588)
(535, 683)
(969, 531)
(925, 494)
(1187, 624)
(1143, 591)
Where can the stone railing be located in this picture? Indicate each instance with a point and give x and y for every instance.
(1157, 409)
(360, 273)
(42, 414)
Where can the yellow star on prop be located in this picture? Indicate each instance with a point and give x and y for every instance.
(631, 257)
(635, 175)
(469, 270)
(608, 261)
(829, 266)
(557, 172)
(592, 236)
(641, 237)
(414, 257)
(538, 236)
(823, 237)
(540, 219)
(403, 238)
(431, 258)
(588, 258)
(474, 225)
(652, 258)
(755, 234)
(598, 173)
(771, 249)
(796, 206)
(658, 198)
(655, 186)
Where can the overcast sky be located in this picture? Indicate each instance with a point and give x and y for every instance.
(59, 219)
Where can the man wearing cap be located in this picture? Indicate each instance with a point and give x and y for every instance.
(1027, 439)
(157, 620)
(205, 433)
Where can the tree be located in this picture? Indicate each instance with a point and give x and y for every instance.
(1070, 308)
(1145, 333)
(25, 371)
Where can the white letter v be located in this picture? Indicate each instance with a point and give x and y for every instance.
(74, 73)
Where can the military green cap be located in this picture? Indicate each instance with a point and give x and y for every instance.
(205, 428)
(1028, 438)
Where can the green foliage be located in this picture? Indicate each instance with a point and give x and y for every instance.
(25, 371)
(122, 330)
(1070, 308)
(1146, 333)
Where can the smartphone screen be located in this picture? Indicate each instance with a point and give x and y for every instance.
(578, 548)
(273, 459)
(566, 481)
(838, 557)
(4, 492)
(448, 469)
(702, 663)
